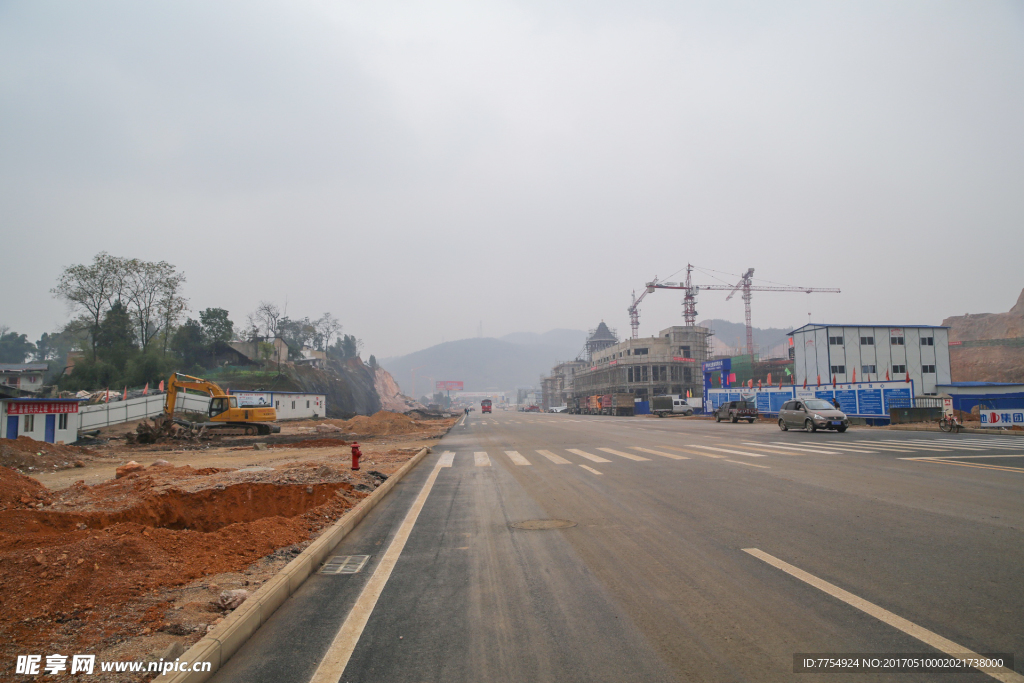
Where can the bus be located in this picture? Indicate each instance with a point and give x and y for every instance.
(485, 405)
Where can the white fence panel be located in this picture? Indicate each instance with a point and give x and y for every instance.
(106, 414)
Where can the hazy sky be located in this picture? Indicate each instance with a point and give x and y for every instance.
(419, 168)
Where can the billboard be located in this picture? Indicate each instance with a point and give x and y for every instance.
(442, 385)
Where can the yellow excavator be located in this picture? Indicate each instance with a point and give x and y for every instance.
(225, 414)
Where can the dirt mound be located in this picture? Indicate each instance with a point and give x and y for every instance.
(987, 363)
(381, 423)
(17, 490)
(26, 453)
(319, 443)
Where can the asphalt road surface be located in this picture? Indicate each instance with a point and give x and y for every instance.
(667, 550)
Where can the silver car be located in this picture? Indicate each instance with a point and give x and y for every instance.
(812, 414)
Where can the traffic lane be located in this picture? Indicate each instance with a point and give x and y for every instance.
(679, 572)
(472, 599)
(870, 546)
(289, 646)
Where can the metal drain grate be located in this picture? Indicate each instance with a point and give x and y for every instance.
(344, 564)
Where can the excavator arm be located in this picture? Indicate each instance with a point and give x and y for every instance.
(179, 381)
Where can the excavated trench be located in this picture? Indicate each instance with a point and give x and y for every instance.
(207, 510)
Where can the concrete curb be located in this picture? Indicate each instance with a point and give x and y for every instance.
(222, 642)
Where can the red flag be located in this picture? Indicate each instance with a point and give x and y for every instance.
(769, 382)
(833, 381)
(161, 385)
(759, 385)
(124, 396)
(855, 375)
(805, 382)
(780, 383)
(107, 400)
(887, 374)
(145, 390)
(907, 380)
(819, 380)
(792, 379)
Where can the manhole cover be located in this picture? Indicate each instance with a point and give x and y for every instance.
(537, 524)
(344, 564)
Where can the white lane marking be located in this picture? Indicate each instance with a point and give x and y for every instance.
(483, 422)
(779, 444)
(910, 628)
(748, 464)
(726, 450)
(664, 455)
(557, 459)
(629, 456)
(446, 459)
(481, 459)
(588, 468)
(332, 666)
(965, 457)
(693, 452)
(588, 456)
(516, 458)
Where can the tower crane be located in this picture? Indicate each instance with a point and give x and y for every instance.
(634, 308)
(745, 284)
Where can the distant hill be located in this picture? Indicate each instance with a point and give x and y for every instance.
(732, 338)
(990, 346)
(487, 363)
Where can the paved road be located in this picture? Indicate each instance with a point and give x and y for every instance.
(698, 552)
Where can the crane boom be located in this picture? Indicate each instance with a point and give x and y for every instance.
(634, 308)
(745, 284)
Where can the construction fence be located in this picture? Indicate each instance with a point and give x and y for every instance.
(106, 414)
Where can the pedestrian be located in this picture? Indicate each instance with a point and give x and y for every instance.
(835, 402)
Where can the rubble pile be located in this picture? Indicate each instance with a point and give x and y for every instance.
(163, 430)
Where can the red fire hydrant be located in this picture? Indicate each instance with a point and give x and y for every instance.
(356, 454)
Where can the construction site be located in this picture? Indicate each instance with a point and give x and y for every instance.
(136, 546)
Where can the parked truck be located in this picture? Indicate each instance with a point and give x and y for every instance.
(670, 405)
(621, 404)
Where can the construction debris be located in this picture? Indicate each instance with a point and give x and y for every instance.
(162, 429)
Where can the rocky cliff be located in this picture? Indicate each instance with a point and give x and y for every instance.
(991, 345)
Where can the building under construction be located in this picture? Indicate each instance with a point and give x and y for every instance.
(669, 363)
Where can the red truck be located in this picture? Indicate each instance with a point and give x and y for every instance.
(485, 405)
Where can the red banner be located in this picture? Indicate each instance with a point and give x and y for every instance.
(680, 359)
(41, 407)
(447, 386)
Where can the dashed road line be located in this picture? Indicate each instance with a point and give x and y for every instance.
(726, 450)
(693, 452)
(481, 459)
(590, 469)
(748, 464)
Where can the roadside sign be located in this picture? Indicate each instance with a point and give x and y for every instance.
(447, 386)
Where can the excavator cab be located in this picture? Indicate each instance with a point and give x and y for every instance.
(220, 404)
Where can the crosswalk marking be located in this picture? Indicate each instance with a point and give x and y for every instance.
(693, 452)
(481, 459)
(803, 448)
(726, 450)
(557, 459)
(664, 455)
(588, 456)
(629, 456)
(516, 458)
(446, 459)
(588, 468)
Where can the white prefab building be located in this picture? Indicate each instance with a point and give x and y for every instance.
(54, 420)
(289, 405)
(866, 353)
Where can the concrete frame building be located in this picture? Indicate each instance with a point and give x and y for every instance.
(669, 363)
(825, 351)
(556, 389)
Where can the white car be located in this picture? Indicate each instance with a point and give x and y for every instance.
(558, 409)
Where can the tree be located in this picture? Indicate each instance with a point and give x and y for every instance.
(373, 362)
(14, 347)
(91, 289)
(325, 328)
(150, 288)
(217, 327)
(263, 321)
(344, 347)
(115, 341)
(187, 343)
